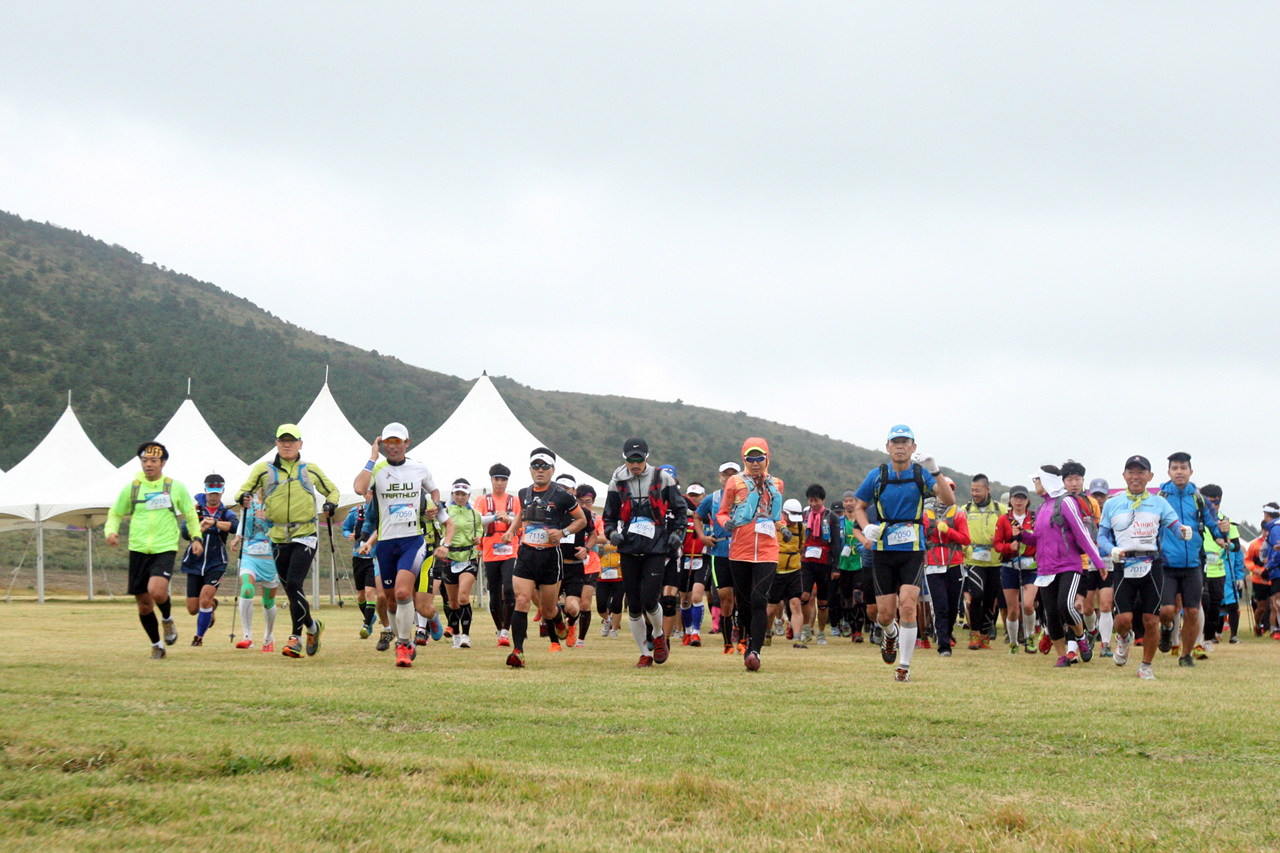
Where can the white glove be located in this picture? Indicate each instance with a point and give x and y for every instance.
(925, 462)
(1117, 555)
(1186, 533)
(872, 532)
(846, 551)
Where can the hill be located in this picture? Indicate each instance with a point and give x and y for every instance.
(123, 335)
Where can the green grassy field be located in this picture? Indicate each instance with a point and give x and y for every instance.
(218, 749)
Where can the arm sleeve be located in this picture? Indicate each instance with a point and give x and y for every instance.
(349, 523)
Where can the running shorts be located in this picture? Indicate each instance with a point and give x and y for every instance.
(263, 570)
(1139, 595)
(815, 574)
(362, 572)
(144, 567)
(543, 566)
(575, 578)
(694, 570)
(785, 587)
(399, 555)
(1188, 582)
(195, 583)
(893, 570)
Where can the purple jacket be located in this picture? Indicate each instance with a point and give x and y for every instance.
(1059, 551)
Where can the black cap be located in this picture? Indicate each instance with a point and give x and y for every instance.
(1137, 462)
(215, 480)
(635, 447)
(1180, 457)
(1019, 490)
(499, 470)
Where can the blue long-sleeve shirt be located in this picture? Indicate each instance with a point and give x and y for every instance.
(1199, 515)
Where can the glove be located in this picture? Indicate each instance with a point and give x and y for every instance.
(330, 507)
(1117, 555)
(786, 535)
(925, 462)
(674, 540)
(846, 551)
(616, 538)
(1239, 589)
(872, 532)
(943, 527)
(1186, 533)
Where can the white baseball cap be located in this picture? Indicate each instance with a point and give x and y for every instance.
(395, 430)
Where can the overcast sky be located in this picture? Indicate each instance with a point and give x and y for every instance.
(1029, 230)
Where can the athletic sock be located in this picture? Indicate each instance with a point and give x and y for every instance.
(270, 614)
(419, 621)
(638, 633)
(464, 618)
(452, 615)
(1029, 624)
(246, 616)
(715, 616)
(695, 618)
(906, 643)
(655, 619)
(164, 607)
(1106, 623)
(686, 618)
(202, 621)
(369, 610)
(584, 624)
(151, 625)
(1072, 646)
(404, 619)
(1011, 628)
(519, 629)
(891, 630)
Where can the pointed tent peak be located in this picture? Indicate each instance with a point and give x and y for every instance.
(66, 447)
(188, 387)
(194, 451)
(484, 373)
(326, 375)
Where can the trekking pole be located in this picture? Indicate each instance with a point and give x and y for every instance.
(333, 566)
(244, 518)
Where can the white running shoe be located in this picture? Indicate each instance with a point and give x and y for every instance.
(613, 633)
(170, 632)
(822, 638)
(1120, 651)
(457, 641)
(1145, 673)
(464, 641)
(779, 628)
(604, 630)
(676, 633)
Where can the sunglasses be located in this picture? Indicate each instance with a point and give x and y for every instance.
(539, 466)
(756, 460)
(635, 459)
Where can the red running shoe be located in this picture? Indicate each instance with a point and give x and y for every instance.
(244, 644)
(402, 655)
(645, 661)
(752, 662)
(515, 660)
(660, 649)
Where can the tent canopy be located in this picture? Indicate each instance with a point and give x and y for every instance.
(330, 441)
(58, 479)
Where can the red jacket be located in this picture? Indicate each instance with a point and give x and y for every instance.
(1005, 544)
(957, 535)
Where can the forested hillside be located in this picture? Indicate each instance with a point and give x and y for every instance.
(123, 336)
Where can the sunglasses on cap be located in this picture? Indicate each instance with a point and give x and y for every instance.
(539, 466)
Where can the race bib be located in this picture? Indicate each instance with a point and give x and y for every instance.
(900, 534)
(536, 534)
(571, 539)
(1213, 558)
(503, 549)
(935, 570)
(695, 564)
(159, 501)
(764, 526)
(1138, 567)
(402, 513)
(981, 553)
(609, 574)
(258, 549)
(458, 565)
(1044, 580)
(642, 527)
(813, 552)
(307, 541)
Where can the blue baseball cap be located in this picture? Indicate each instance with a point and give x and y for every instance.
(901, 431)
(670, 469)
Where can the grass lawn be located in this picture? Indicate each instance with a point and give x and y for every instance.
(218, 749)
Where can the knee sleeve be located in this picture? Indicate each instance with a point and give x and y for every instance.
(246, 587)
(669, 605)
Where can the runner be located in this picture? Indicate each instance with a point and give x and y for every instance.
(1018, 571)
(498, 510)
(897, 492)
(289, 488)
(721, 576)
(695, 568)
(257, 566)
(1218, 560)
(856, 586)
(609, 592)
(785, 592)
(1102, 600)
(461, 568)
(1183, 558)
(819, 563)
(946, 531)
(1271, 553)
(400, 488)
(152, 503)
(644, 514)
(362, 570)
(1060, 537)
(750, 510)
(574, 550)
(1130, 531)
(546, 515)
(982, 563)
(204, 571)
(1090, 581)
(1256, 562)
(591, 537)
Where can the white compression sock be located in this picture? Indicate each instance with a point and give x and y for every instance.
(270, 614)
(246, 617)
(1090, 620)
(906, 643)
(1011, 628)
(1029, 624)
(1106, 622)
(404, 620)
(655, 619)
(420, 620)
(637, 633)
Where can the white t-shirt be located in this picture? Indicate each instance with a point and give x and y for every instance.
(399, 491)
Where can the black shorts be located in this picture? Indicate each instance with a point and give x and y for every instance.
(893, 570)
(575, 578)
(543, 566)
(785, 587)
(815, 573)
(671, 572)
(865, 584)
(1261, 591)
(470, 567)
(1139, 595)
(690, 576)
(721, 577)
(1188, 582)
(195, 583)
(362, 572)
(1090, 581)
(144, 567)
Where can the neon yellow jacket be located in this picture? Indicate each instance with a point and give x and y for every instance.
(982, 533)
(290, 495)
(153, 522)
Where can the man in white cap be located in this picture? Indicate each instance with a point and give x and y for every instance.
(400, 487)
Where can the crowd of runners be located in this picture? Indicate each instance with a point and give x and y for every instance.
(1060, 569)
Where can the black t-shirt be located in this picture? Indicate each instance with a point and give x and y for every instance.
(550, 508)
(569, 549)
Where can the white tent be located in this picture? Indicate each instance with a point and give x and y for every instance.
(194, 452)
(481, 431)
(55, 483)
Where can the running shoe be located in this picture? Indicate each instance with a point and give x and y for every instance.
(919, 642)
(822, 638)
(158, 652)
(244, 644)
(696, 641)
(1145, 673)
(293, 648)
(1166, 638)
(446, 631)
(1064, 660)
(465, 641)
(741, 647)
(515, 660)
(364, 631)
(170, 632)
(984, 642)
(504, 638)
(768, 639)
(779, 627)
(555, 647)
(728, 650)
(268, 647)
(1073, 657)
(197, 640)
(436, 629)
(1013, 648)
(1138, 642)
(1176, 650)
(790, 633)
(571, 637)
(1029, 646)
(644, 662)
(798, 645)
(685, 640)
(313, 640)
(1086, 650)
(1044, 644)
(806, 634)
(902, 674)
(1105, 651)
(944, 651)
(613, 633)
(926, 643)
(752, 661)
(735, 636)
(1234, 639)
(579, 644)
(402, 655)
(661, 649)
(857, 636)
(604, 630)
(974, 642)
(1186, 660)
(888, 648)
(562, 630)
(420, 637)
(1198, 652)
(384, 639)
(457, 641)
(1275, 635)
(677, 633)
